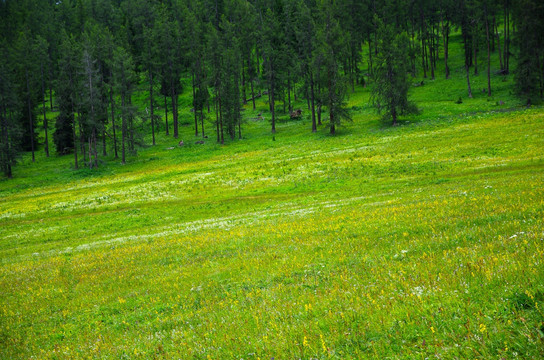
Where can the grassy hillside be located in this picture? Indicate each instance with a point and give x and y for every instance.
(422, 240)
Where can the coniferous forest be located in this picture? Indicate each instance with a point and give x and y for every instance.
(271, 179)
(86, 58)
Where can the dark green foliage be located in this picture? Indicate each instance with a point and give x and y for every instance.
(390, 86)
(331, 48)
(529, 74)
(231, 52)
(10, 129)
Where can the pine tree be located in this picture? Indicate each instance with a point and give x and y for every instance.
(66, 89)
(390, 86)
(124, 78)
(10, 130)
(331, 48)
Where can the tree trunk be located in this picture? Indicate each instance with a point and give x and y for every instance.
(45, 125)
(243, 84)
(423, 65)
(412, 51)
(104, 153)
(252, 94)
(433, 51)
(289, 90)
(30, 117)
(306, 90)
(221, 121)
(113, 124)
(475, 53)
(166, 114)
(131, 125)
(151, 106)
(217, 118)
(6, 151)
(194, 106)
(369, 56)
(272, 106)
(50, 88)
(468, 82)
(314, 126)
(498, 45)
(123, 129)
(507, 37)
(95, 148)
(488, 55)
(446, 38)
(75, 144)
(174, 112)
(73, 126)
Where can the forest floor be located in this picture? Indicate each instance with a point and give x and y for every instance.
(416, 241)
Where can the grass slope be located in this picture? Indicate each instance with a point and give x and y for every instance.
(423, 240)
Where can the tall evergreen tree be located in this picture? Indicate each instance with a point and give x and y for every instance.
(124, 78)
(390, 87)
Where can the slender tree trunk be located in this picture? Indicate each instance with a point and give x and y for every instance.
(468, 82)
(104, 153)
(123, 129)
(9, 159)
(446, 38)
(307, 94)
(95, 148)
(498, 45)
(81, 137)
(75, 144)
(252, 94)
(113, 124)
(50, 78)
(243, 84)
(492, 37)
(432, 51)
(507, 37)
(217, 117)
(488, 55)
(475, 52)
(319, 104)
(45, 125)
(272, 106)
(194, 105)
(174, 112)
(221, 120)
(369, 55)
(73, 125)
(289, 90)
(412, 51)
(423, 51)
(330, 103)
(283, 101)
(6, 152)
(151, 103)
(166, 114)
(131, 124)
(89, 142)
(314, 126)
(31, 125)
(239, 127)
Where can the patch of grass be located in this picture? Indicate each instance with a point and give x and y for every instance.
(422, 240)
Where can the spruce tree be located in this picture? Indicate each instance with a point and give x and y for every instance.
(390, 85)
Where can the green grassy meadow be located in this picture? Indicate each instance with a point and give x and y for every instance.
(424, 240)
